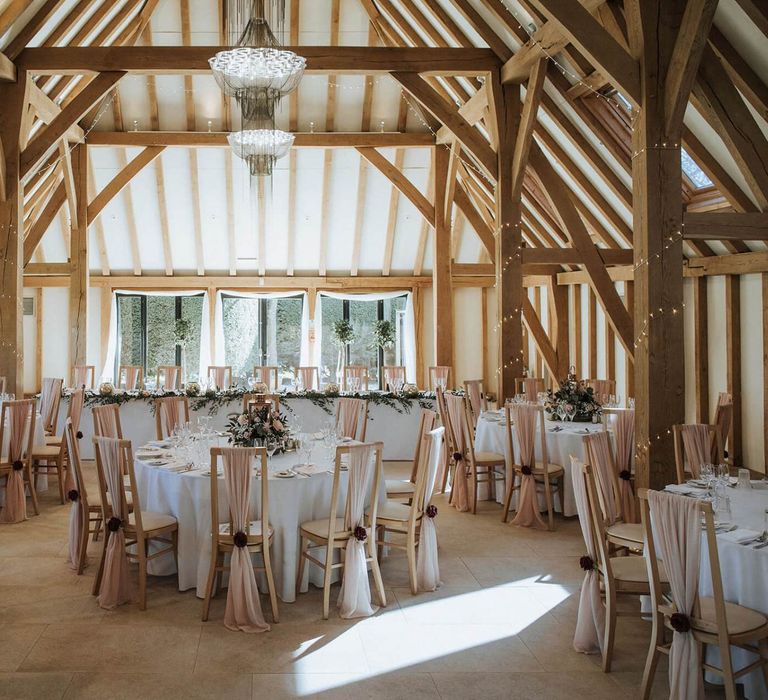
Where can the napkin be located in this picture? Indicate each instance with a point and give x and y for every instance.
(739, 535)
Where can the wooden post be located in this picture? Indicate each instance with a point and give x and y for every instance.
(764, 279)
(13, 97)
(509, 238)
(700, 349)
(578, 342)
(418, 322)
(733, 361)
(592, 322)
(657, 221)
(442, 292)
(629, 365)
(78, 257)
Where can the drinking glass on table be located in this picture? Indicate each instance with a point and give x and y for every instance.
(570, 411)
(271, 444)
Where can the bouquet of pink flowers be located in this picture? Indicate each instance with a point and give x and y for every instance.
(262, 423)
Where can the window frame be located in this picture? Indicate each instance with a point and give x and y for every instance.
(178, 314)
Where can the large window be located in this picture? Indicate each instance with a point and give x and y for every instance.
(363, 316)
(146, 332)
(262, 332)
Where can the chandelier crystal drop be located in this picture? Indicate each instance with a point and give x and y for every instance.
(260, 148)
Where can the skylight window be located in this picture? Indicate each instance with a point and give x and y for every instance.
(694, 173)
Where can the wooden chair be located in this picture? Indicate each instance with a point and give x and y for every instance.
(352, 374)
(222, 535)
(530, 387)
(619, 533)
(131, 377)
(308, 377)
(251, 401)
(619, 576)
(74, 411)
(405, 520)
(550, 476)
(332, 533)
(602, 389)
(171, 412)
(92, 513)
(106, 421)
(713, 622)
(49, 459)
(6, 467)
(439, 376)
(220, 376)
(142, 528)
(50, 400)
(352, 418)
(683, 455)
(478, 402)
(171, 375)
(269, 376)
(83, 376)
(398, 488)
(484, 467)
(451, 444)
(391, 374)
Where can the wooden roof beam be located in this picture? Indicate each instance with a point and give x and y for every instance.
(724, 226)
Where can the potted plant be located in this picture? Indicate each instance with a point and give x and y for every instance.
(343, 335)
(182, 334)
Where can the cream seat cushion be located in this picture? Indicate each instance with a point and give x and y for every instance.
(152, 521)
(319, 528)
(399, 486)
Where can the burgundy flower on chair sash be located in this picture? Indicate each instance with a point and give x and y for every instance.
(587, 563)
(680, 623)
(73, 495)
(243, 611)
(361, 534)
(79, 435)
(431, 511)
(457, 456)
(528, 515)
(625, 475)
(114, 524)
(18, 465)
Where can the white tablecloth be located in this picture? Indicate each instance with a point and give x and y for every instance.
(397, 431)
(187, 496)
(561, 444)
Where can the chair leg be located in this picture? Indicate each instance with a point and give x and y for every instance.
(270, 579)
(763, 646)
(610, 630)
(175, 544)
(82, 552)
(60, 475)
(726, 664)
(548, 501)
(210, 582)
(327, 581)
(473, 476)
(96, 529)
(100, 571)
(508, 498)
(303, 544)
(377, 575)
(652, 660)
(412, 562)
(381, 538)
(32, 491)
(141, 550)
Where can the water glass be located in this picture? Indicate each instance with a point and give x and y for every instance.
(743, 481)
(722, 507)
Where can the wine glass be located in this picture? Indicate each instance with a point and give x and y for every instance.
(570, 410)
(271, 444)
(306, 448)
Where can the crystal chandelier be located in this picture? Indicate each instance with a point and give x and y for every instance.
(258, 73)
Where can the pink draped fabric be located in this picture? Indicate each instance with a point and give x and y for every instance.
(624, 434)
(696, 446)
(524, 417)
(307, 376)
(51, 387)
(531, 388)
(77, 509)
(76, 408)
(427, 565)
(219, 375)
(355, 373)
(600, 457)
(602, 389)
(590, 620)
(393, 373)
(676, 525)
(19, 419)
(172, 414)
(348, 417)
(460, 496)
(132, 378)
(440, 376)
(264, 375)
(82, 378)
(115, 587)
(475, 398)
(105, 421)
(723, 419)
(243, 610)
(355, 594)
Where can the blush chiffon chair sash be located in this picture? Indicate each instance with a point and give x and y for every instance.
(243, 612)
(602, 389)
(132, 377)
(460, 495)
(76, 508)
(82, 377)
(307, 377)
(676, 523)
(696, 443)
(171, 377)
(47, 403)
(600, 456)
(76, 401)
(590, 619)
(395, 372)
(355, 594)
(219, 377)
(171, 414)
(19, 419)
(475, 398)
(624, 434)
(427, 565)
(440, 376)
(105, 421)
(348, 417)
(531, 388)
(524, 417)
(115, 587)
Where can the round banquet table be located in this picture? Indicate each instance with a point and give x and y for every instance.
(744, 571)
(563, 439)
(187, 496)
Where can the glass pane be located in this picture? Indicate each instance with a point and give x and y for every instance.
(242, 334)
(129, 325)
(332, 310)
(161, 329)
(394, 312)
(192, 311)
(695, 174)
(284, 336)
(363, 350)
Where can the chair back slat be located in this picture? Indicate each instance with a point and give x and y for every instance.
(106, 421)
(220, 376)
(131, 377)
(83, 376)
(427, 422)
(355, 374)
(529, 387)
(439, 377)
(50, 399)
(391, 374)
(478, 402)
(597, 453)
(171, 412)
(695, 444)
(309, 377)
(171, 377)
(268, 375)
(352, 418)
(17, 430)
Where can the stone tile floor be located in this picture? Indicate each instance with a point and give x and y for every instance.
(500, 627)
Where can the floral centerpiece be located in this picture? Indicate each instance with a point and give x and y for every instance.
(259, 424)
(573, 400)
